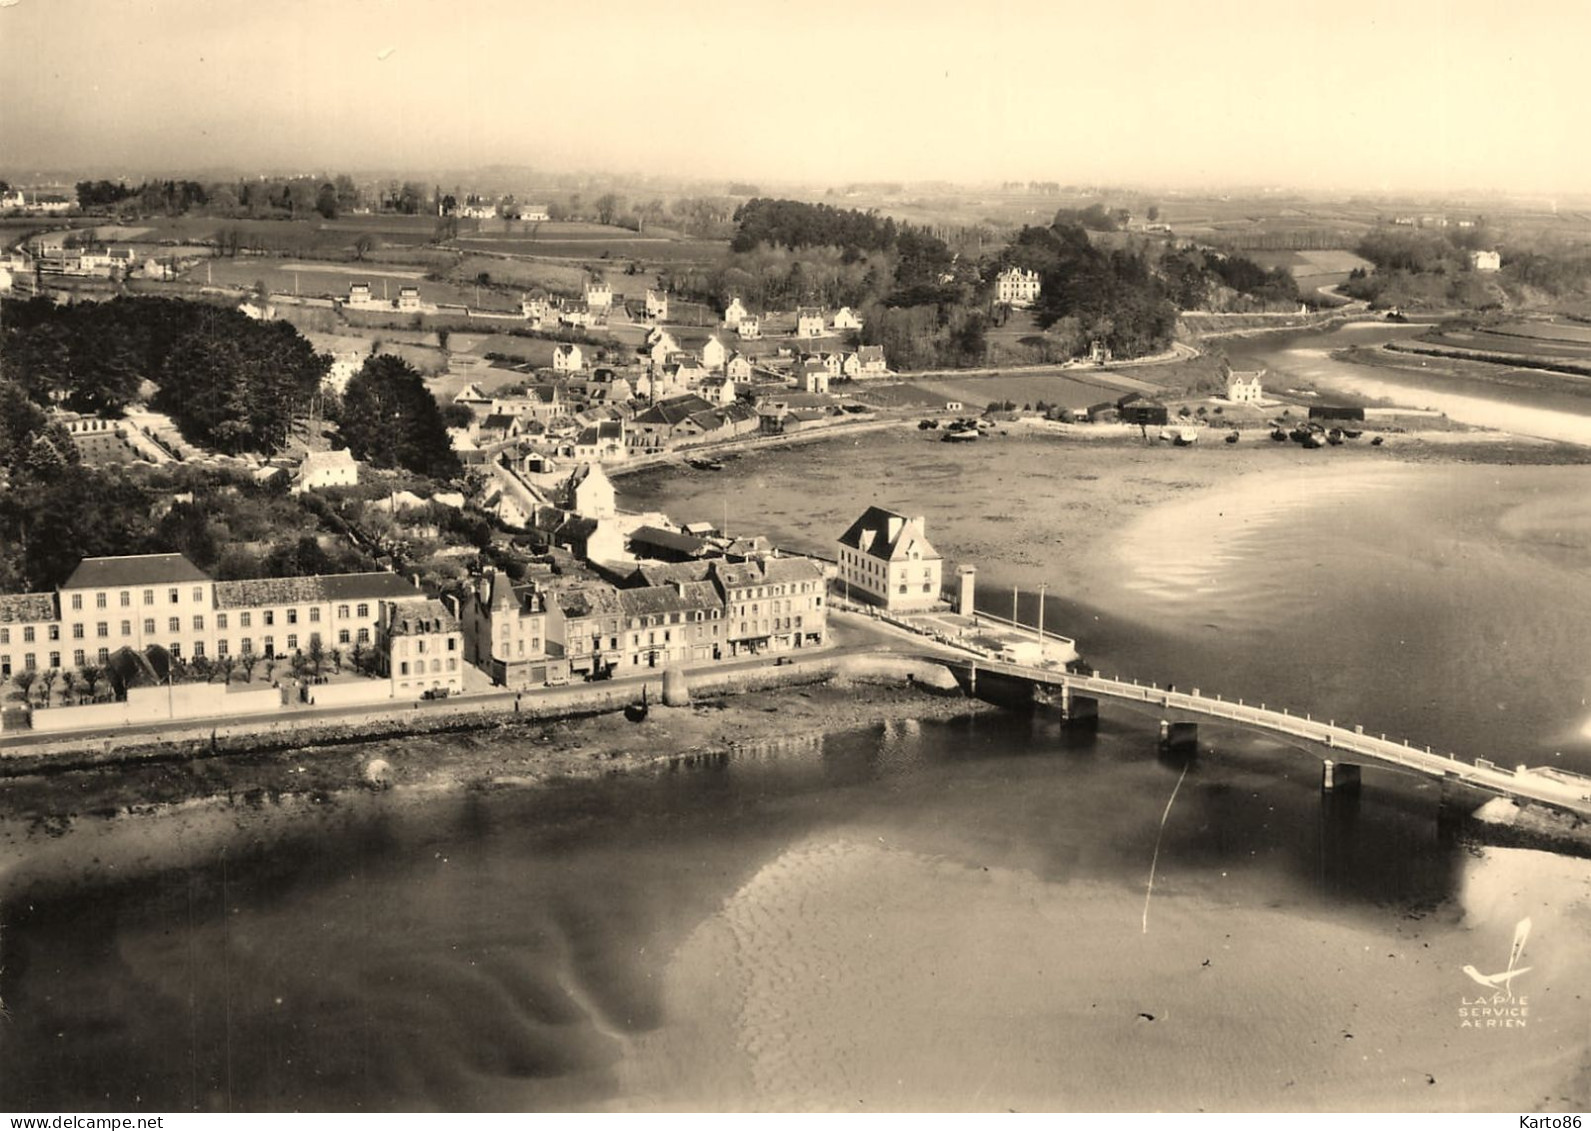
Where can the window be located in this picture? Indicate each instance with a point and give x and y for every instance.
(198, 649)
(27, 635)
(314, 639)
(342, 612)
(926, 587)
(55, 632)
(171, 595)
(292, 641)
(198, 624)
(220, 621)
(364, 636)
(436, 665)
(452, 665)
(127, 598)
(452, 644)
(421, 648)
(198, 595)
(5, 666)
(292, 616)
(248, 646)
(364, 609)
(245, 619)
(342, 636)
(903, 588)
(270, 616)
(77, 602)
(149, 625)
(174, 624)
(5, 636)
(127, 628)
(103, 654)
(77, 632)
(77, 658)
(270, 646)
(31, 662)
(220, 647)
(149, 596)
(403, 668)
(176, 649)
(55, 659)
(314, 614)
(99, 600)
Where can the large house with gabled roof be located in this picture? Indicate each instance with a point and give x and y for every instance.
(886, 559)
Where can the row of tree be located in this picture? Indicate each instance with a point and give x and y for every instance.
(229, 382)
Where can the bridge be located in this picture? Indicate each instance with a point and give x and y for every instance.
(1343, 749)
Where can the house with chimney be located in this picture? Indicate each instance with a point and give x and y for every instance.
(886, 559)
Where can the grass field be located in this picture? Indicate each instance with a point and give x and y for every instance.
(1558, 349)
(333, 280)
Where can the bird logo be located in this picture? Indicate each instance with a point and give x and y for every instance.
(1505, 979)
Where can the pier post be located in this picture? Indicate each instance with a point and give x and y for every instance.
(1338, 777)
(972, 680)
(1178, 736)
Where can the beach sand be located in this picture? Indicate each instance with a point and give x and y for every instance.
(969, 988)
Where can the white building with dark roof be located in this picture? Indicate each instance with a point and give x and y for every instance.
(1016, 287)
(885, 558)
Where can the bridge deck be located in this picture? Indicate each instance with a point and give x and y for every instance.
(1344, 743)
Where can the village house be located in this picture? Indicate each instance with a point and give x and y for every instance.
(535, 311)
(810, 323)
(734, 314)
(1017, 287)
(504, 628)
(657, 305)
(534, 213)
(750, 328)
(576, 314)
(589, 492)
(886, 559)
(870, 361)
(850, 365)
(359, 296)
(846, 319)
(603, 442)
(421, 645)
(409, 299)
(738, 367)
(718, 390)
(567, 358)
(657, 427)
(1485, 261)
(713, 354)
(599, 295)
(813, 377)
(335, 468)
(1244, 387)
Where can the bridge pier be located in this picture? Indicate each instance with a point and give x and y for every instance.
(1078, 710)
(1179, 736)
(1339, 777)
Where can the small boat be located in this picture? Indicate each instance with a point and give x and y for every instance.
(1185, 437)
(1351, 433)
(1334, 437)
(927, 425)
(958, 435)
(1376, 443)
(705, 464)
(1279, 435)
(1231, 437)
(1314, 440)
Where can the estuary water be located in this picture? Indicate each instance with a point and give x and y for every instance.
(985, 914)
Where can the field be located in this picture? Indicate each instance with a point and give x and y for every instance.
(1548, 342)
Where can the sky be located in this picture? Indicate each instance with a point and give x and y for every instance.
(1414, 95)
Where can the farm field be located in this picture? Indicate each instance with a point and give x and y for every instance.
(333, 280)
(1554, 349)
(1068, 390)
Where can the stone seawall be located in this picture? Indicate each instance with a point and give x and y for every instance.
(186, 742)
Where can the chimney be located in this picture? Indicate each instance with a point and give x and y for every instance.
(895, 523)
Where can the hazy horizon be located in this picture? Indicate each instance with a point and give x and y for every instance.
(1431, 98)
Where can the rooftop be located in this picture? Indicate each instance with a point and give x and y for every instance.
(137, 569)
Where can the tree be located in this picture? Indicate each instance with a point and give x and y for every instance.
(608, 207)
(364, 245)
(270, 667)
(90, 674)
(24, 680)
(48, 680)
(226, 665)
(1153, 213)
(68, 682)
(248, 662)
(326, 202)
(316, 654)
(337, 659)
(389, 418)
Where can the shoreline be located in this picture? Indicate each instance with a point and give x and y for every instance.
(247, 790)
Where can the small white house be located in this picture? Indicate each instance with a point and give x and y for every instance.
(713, 353)
(810, 322)
(735, 313)
(599, 295)
(750, 328)
(326, 469)
(567, 358)
(846, 319)
(1485, 261)
(657, 306)
(1244, 387)
(738, 367)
